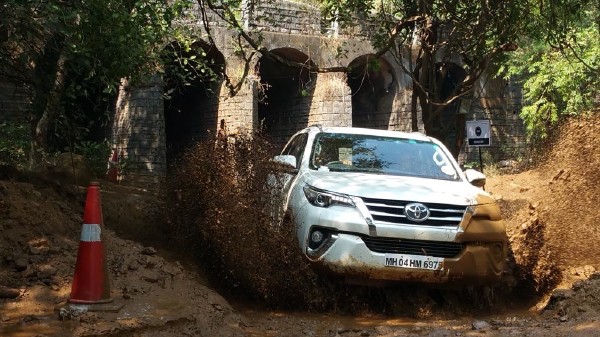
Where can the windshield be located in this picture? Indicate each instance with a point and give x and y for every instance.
(380, 155)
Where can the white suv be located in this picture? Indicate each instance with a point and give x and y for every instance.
(390, 206)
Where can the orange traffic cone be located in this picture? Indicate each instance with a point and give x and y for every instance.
(90, 283)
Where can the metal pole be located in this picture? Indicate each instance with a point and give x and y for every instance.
(480, 160)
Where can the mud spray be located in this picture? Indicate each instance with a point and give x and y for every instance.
(221, 208)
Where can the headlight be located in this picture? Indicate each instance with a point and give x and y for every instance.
(322, 198)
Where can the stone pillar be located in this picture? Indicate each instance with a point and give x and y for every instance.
(239, 113)
(332, 101)
(400, 118)
(15, 101)
(499, 101)
(248, 14)
(138, 133)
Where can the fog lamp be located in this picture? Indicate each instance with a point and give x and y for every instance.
(316, 236)
(497, 250)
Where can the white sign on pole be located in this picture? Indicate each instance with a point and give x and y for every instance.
(478, 133)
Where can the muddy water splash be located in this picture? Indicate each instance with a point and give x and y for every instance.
(221, 209)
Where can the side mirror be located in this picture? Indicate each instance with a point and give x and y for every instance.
(476, 178)
(287, 163)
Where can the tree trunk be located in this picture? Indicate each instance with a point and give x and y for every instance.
(414, 117)
(47, 101)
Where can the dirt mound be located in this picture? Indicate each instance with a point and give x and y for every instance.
(571, 205)
(580, 301)
(40, 226)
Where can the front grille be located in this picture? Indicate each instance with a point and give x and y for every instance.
(392, 211)
(413, 247)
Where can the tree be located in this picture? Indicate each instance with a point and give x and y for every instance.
(67, 53)
(437, 32)
(445, 46)
(560, 70)
(453, 43)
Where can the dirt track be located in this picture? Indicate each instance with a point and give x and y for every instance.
(40, 223)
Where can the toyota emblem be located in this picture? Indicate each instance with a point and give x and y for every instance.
(416, 212)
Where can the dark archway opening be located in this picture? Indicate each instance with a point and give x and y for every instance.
(193, 78)
(452, 123)
(373, 90)
(285, 94)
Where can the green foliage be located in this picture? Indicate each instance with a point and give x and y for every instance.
(186, 64)
(96, 154)
(471, 29)
(471, 165)
(104, 39)
(560, 80)
(345, 11)
(559, 56)
(14, 144)
(446, 37)
(100, 41)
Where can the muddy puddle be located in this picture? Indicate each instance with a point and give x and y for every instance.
(263, 322)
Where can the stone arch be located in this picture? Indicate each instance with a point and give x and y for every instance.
(449, 75)
(285, 94)
(374, 87)
(191, 94)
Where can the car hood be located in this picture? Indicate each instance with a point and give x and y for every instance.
(398, 188)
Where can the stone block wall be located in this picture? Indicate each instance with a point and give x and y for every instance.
(139, 133)
(15, 110)
(499, 101)
(295, 117)
(139, 130)
(331, 102)
(15, 102)
(281, 16)
(207, 110)
(238, 112)
(400, 119)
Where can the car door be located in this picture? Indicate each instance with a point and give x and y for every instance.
(284, 179)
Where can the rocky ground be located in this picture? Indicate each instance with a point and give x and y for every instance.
(551, 213)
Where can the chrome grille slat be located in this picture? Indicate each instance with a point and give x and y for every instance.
(384, 205)
(447, 210)
(387, 214)
(392, 223)
(446, 218)
(392, 212)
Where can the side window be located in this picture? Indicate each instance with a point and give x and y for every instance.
(296, 147)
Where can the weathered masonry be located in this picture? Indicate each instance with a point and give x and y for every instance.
(149, 130)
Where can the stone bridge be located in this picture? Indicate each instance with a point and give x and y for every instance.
(150, 130)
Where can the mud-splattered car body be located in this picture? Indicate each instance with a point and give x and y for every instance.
(374, 205)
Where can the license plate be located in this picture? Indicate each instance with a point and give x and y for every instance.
(413, 261)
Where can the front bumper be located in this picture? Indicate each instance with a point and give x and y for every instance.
(348, 256)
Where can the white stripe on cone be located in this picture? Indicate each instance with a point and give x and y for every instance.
(90, 233)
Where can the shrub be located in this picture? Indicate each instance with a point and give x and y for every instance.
(15, 142)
